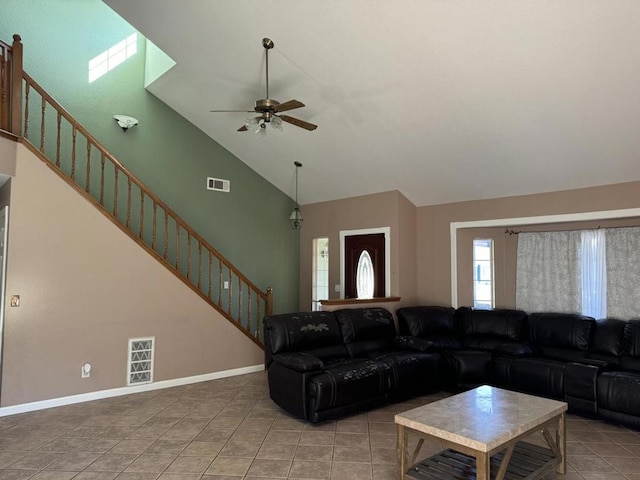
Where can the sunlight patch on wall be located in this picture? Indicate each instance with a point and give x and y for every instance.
(110, 59)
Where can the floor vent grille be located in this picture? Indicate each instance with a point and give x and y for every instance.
(140, 361)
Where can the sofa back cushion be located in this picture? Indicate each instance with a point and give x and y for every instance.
(630, 359)
(315, 333)
(486, 329)
(425, 321)
(560, 336)
(606, 340)
(366, 330)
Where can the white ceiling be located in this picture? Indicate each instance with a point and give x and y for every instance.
(444, 100)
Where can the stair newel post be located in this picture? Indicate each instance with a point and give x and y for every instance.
(16, 86)
(268, 307)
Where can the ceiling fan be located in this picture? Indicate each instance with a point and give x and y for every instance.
(270, 110)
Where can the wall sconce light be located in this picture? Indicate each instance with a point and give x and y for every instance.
(125, 121)
(296, 215)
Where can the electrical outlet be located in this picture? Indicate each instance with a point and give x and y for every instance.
(85, 371)
(336, 288)
(225, 285)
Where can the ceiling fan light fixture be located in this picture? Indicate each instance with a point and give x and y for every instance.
(276, 122)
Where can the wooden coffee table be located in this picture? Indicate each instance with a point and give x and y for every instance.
(483, 431)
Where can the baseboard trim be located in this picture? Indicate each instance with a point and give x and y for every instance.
(116, 392)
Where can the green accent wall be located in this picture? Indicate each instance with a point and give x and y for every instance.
(249, 225)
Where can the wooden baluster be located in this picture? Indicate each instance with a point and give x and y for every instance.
(177, 245)
(74, 133)
(27, 92)
(240, 302)
(88, 176)
(166, 234)
(102, 179)
(210, 273)
(44, 108)
(115, 193)
(188, 255)
(128, 201)
(141, 214)
(155, 222)
(199, 264)
(58, 139)
(220, 282)
(249, 309)
(258, 299)
(229, 295)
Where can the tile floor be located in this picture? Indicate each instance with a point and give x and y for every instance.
(229, 429)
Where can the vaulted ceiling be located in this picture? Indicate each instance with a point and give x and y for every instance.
(443, 100)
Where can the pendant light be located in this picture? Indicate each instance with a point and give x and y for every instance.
(296, 216)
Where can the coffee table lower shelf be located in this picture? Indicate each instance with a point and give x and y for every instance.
(527, 462)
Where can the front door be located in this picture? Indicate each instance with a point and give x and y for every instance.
(364, 267)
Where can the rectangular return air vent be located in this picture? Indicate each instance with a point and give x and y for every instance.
(140, 361)
(218, 184)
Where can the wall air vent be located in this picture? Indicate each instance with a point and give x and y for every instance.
(218, 184)
(140, 361)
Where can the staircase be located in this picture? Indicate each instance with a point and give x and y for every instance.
(47, 129)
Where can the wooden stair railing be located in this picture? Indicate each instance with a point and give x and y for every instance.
(75, 155)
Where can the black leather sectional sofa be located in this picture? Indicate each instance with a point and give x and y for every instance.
(324, 365)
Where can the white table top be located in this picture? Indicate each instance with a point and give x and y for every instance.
(483, 418)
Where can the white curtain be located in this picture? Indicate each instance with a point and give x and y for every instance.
(548, 272)
(623, 283)
(594, 273)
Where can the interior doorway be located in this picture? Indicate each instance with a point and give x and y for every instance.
(365, 263)
(4, 225)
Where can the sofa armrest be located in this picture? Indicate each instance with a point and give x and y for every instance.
(601, 364)
(414, 343)
(298, 361)
(515, 349)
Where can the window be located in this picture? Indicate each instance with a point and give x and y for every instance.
(110, 59)
(483, 291)
(365, 280)
(320, 269)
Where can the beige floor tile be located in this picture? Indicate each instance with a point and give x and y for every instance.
(151, 463)
(75, 461)
(203, 449)
(309, 437)
(310, 470)
(189, 464)
(352, 454)
(351, 439)
(607, 450)
(276, 451)
(132, 446)
(240, 449)
(271, 468)
(283, 436)
(315, 453)
(233, 466)
(53, 475)
(112, 462)
(351, 471)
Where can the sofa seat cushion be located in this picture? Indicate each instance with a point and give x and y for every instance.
(469, 368)
(348, 382)
(540, 376)
(411, 372)
(619, 392)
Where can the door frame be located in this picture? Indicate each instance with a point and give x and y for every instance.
(387, 254)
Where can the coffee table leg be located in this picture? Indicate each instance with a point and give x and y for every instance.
(483, 466)
(401, 450)
(561, 440)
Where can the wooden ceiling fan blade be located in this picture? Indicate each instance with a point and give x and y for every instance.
(290, 105)
(243, 128)
(298, 123)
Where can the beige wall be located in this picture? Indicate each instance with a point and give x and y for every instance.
(433, 222)
(420, 238)
(86, 288)
(327, 219)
